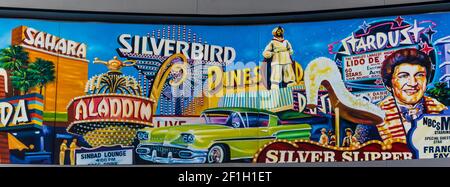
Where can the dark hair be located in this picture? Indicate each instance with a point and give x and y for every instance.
(410, 56)
(348, 130)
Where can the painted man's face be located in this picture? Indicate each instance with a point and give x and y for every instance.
(348, 133)
(409, 83)
(279, 33)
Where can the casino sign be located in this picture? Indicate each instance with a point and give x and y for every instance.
(21, 112)
(361, 54)
(108, 119)
(113, 109)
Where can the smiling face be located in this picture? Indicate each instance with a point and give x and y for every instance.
(409, 83)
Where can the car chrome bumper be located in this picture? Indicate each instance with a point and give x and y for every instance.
(181, 156)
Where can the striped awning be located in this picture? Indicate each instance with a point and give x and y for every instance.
(272, 100)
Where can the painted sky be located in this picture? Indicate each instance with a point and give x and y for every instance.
(309, 39)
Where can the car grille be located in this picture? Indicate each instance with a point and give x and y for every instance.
(163, 151)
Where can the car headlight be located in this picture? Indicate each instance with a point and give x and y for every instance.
(142, 135)
(188, 138)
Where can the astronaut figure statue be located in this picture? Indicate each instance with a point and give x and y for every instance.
(279, 51)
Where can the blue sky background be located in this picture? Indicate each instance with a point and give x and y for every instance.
(309, 39)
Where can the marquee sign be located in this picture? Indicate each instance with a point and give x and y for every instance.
(46, 42)
(365, 66)
(21, 110)
(111, 107)
(163, 47)
(282, 151)
(116, 155)
(361, 54)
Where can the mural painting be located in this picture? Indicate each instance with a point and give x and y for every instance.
(82, 93)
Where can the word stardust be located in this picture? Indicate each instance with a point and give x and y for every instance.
(380, 40)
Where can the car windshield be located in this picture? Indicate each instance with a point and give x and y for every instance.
(228, 118)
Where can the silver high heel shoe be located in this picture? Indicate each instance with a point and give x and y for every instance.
(323, 71)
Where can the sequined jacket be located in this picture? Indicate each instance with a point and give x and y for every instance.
(392, 127)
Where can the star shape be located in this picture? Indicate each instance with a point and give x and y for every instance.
(433, 67)
(426, 49)
(364, 26)
(399, 20)
(421, 43)
(430, 33)
(416, 30)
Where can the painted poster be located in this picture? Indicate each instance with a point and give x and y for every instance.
(88, 93)
(431, 137)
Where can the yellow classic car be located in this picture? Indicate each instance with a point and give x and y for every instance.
(227, 134)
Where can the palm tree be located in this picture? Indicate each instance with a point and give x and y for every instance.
(44, 72)
(24, 80)
(441, 92)
(13, 58)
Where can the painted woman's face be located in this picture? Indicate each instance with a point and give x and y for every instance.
(409, 83)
